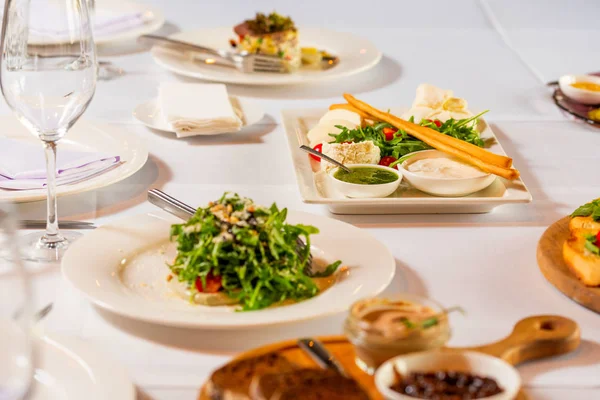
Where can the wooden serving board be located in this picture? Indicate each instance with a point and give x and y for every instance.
(552, 264)
(532, 338)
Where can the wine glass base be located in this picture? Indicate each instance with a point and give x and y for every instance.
(36, 247)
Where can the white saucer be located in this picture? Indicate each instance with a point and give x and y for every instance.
(69, 368)
(149, 114)
(83, 136)
(356, 55)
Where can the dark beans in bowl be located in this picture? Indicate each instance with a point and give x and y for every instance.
(446, 385)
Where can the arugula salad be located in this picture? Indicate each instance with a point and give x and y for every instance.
(246, 254)
(394, 143)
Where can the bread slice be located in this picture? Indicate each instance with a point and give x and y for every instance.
(264, 387)
(328, 388)
(232, 382)
(584, 264)
(583, 223)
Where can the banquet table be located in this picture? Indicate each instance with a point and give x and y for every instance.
(497, 54)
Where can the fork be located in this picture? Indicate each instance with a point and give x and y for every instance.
(243, 61)
(184, 211)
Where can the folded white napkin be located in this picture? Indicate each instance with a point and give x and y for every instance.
(198, 109)
(23, 165)
(105, 22)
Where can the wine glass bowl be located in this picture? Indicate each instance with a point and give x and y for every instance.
(48, 74)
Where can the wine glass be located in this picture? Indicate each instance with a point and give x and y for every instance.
(16, 351)
(48, 77)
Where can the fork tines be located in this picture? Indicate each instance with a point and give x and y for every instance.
(267, 63)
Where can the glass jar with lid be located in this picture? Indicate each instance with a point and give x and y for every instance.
(384, 327)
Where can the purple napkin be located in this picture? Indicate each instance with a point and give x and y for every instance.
(23, 165)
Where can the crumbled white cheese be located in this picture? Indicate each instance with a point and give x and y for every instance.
(351, 153)
(242, 215)
(192, 228)
(223, 237)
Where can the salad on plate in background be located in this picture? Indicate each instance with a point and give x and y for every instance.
(236, 252)
(277, 35)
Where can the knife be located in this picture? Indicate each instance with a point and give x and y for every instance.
(317, 351)
(39, 224)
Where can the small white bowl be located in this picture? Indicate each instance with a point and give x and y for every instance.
(446, 187)
(472, 362)
(359, 191)
(579, 95)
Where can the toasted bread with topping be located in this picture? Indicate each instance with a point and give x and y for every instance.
(583, 223)
(265, 387)
(232, 382)
(328, 388)
(584, 264)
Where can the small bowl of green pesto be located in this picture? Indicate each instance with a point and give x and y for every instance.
(366, 180)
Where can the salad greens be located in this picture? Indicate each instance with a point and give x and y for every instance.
(246, 251)
(591, 209)
(402, 143)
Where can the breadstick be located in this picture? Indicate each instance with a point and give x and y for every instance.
(420, 132)
(507, 173)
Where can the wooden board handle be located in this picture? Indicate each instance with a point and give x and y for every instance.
(535, 337)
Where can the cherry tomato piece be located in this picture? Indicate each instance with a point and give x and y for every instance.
(389, 133)
(437, 122)
(598, 238)
(213, 284)
(318, 148)
(387, 160)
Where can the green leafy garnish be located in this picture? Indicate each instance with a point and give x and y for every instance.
(428, 323)
(591, 244)
(431, 321)
(251, 248)
(263, 24)
(591, 209)
(402, 143)
(328, 271)
(408, 323)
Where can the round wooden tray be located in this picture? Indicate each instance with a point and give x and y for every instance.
(532, 338)
(551, 263)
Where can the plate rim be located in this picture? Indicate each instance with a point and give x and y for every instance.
(67, 264)
(132, 139)
(231, 79)
(309, 194)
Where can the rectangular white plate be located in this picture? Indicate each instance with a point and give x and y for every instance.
(316, 189)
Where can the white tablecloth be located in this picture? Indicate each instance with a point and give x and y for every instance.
(496, 54)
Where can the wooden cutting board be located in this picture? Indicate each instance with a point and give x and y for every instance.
(532, 338)
(556, 271)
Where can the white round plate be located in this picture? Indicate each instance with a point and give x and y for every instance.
(356, 55)
(149, 114)
(121, 267)
(83, 136)
(69, 368)
(155, 21)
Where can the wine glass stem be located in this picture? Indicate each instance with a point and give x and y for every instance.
(52, 214)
